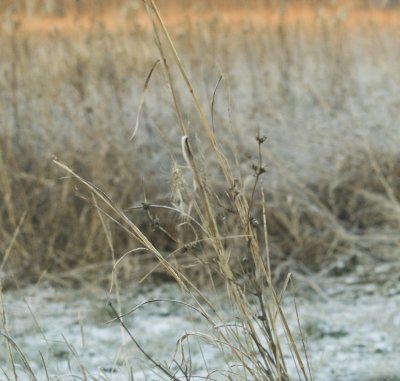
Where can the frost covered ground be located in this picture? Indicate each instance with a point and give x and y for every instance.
(352, 325)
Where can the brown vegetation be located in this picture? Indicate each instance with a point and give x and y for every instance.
(75, 98)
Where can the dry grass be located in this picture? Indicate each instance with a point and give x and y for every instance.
(254, 341)
(189, 198)
(352, 216)
(312, 84)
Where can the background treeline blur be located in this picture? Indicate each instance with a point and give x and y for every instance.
(64, 7)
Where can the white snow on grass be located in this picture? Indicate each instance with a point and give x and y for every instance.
(352, 330)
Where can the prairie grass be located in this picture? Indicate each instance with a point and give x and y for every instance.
(243, 163)
(321, 84)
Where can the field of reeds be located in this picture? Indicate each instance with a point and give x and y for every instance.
(320, 84)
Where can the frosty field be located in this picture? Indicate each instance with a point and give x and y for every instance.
(351, 323)
(291, 166)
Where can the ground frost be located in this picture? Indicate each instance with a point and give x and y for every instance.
(352, 330)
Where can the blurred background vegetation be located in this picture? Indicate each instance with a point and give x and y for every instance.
(320, 81)
(67, 7)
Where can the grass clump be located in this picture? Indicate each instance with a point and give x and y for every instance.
(253, 342)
